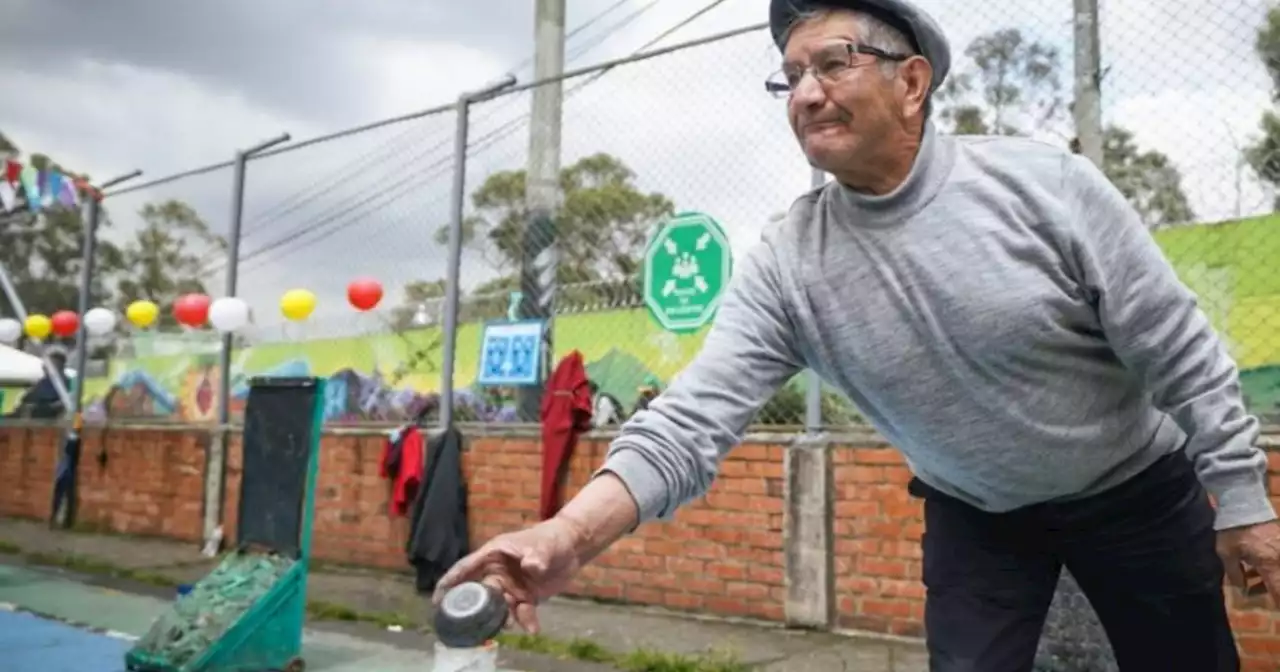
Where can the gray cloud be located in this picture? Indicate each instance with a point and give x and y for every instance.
(296, 56)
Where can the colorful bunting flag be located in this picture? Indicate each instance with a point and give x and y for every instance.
(30, 180)
(40, 188)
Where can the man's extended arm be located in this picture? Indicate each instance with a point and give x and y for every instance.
(1156, 328)
(669, 453)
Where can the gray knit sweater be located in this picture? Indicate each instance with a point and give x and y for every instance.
(1003, 318)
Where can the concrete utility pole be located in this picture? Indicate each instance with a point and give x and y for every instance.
(1088, 80)
(542, 189)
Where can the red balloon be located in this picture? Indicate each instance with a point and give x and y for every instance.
(192, 310)
(364, 294)
(65, 323)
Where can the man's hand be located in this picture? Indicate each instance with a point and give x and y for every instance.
(528, 566)
(1250, 552)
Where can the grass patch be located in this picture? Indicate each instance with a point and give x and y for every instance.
(328, 611)
(581, 649)
(86, 565)
(640, 660)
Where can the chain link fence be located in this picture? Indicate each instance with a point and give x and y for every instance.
(1187, 135)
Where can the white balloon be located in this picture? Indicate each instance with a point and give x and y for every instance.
(228, 314)
(100, 321)
(10, 330)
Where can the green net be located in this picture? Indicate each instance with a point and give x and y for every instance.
(200, 618)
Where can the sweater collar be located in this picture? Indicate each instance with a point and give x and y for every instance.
(929, 172)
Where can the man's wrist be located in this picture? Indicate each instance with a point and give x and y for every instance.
(601, 513)
(1242, 502)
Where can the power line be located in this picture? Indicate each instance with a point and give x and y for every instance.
(613, 29)
(512, 126)
(300, 199)
(507, 129)
(577, 72)
(366, 158)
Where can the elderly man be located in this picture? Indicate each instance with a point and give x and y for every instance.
(999, 312)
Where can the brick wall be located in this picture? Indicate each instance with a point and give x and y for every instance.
(27, 463)
(876, 535)
(721, 555)
(877, 530)
(142, 482)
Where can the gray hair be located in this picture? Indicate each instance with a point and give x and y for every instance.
(872, 32)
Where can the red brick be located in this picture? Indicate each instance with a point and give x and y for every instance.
(722, 555)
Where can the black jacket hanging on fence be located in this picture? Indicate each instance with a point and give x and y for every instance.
(438, 532)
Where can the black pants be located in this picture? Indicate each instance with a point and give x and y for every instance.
(1143, 553)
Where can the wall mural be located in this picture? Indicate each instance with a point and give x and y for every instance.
(384, 377)
(391, 377)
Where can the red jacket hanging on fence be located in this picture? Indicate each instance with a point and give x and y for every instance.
(402, 462)
(565, 415)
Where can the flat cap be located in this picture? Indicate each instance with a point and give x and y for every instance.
(925, 33)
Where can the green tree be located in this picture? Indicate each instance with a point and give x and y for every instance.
(420, 297)
(1148, 179)
(1015, 85)
(602, 224)
(1264, 154)
(42, 250)
(166, 257)
(787, 406)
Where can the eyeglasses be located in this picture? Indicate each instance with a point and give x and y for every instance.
(828, 64)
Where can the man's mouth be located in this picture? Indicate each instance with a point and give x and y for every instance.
(818, 126)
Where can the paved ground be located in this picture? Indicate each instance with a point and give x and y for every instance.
(618, 629)
(34, 644)
(105, 622)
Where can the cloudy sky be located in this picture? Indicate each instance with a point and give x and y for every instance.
(106, 87)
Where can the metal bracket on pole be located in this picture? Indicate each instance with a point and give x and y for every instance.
(453, 268)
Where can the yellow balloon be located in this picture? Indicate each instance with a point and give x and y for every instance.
(142, 313)
(38, 326)
(297, 304)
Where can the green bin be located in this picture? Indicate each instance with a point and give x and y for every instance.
(247, 615)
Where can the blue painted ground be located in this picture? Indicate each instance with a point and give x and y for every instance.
(34, 644)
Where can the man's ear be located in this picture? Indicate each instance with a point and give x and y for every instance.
(915, 76)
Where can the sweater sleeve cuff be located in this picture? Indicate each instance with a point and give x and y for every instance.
(1242, 502)
(642, 479)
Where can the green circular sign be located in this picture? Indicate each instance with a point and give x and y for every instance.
(686, 269)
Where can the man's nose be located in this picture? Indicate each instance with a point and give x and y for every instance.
(808, 91)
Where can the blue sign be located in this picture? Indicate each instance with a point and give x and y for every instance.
(511, 353)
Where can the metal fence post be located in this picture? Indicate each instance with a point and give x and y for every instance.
(88, 259)
(233, 267)
(216, 457)
(453, 266)
(813, 393)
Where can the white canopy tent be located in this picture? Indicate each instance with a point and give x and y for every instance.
(18, 368)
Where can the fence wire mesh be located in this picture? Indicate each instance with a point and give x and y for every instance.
(1190, 137)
